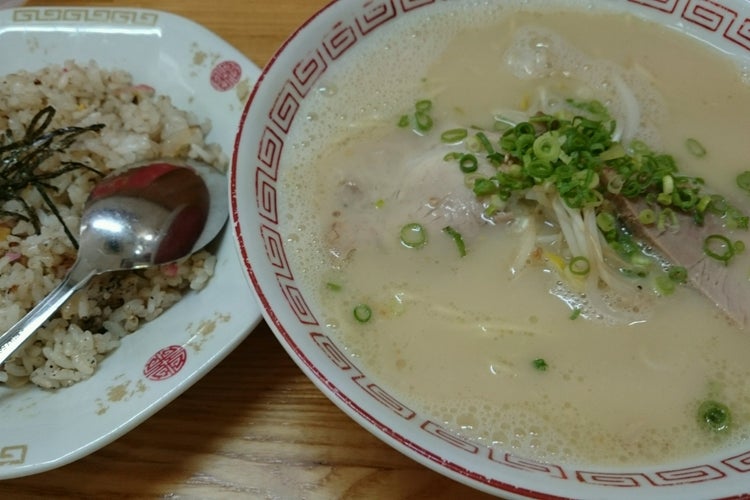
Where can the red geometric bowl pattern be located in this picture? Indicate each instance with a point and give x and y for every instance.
(706, 14)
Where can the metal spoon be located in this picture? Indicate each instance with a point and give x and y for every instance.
(151, 213)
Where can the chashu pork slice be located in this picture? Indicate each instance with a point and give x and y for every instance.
(726, 285)
(423, 188)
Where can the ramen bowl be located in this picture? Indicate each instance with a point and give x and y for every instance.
(357, 36)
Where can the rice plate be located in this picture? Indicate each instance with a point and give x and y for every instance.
(138, 125)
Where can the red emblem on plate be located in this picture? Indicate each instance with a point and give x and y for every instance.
(225, 75)
(165, 363)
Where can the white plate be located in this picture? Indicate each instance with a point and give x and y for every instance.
(45, 429)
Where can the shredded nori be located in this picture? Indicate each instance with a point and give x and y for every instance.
(20, 162)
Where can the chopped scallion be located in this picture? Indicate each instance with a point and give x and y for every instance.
(539, 169)
(413, 235)
(486, 144)
(667, 183)
(540, 364)
(718, 205)
(715, 416)
(605, 221)
(423, 106)
(647, 216)
(580, 266)
(664, 285)
(718, 247)
(468, 163)
(423, 121)
(454, 135)
(678, 274)
(484, 187)
(362, 313)
(457, 238)
(547, 147)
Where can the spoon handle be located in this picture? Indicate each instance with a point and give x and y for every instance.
(11, 340)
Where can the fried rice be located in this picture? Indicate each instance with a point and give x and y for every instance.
(139, 125)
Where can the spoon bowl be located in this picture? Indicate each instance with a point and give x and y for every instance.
(146, 214)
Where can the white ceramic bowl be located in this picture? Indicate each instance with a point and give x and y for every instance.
(322, 43)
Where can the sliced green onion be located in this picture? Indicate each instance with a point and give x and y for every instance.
(540, 364)
(664, 199)
(484, 187)
(403, 121)
(424, 121)
(539, 169)
(468, 163)
(605, 221)
(695, 148)
(362, 313)
(718, 247)
(580, 266)
(615, 184)
(470, 179)
(454, 135)
(333, 286)
(703, 204)
(678, 274)
(413, 235)
(647, 216)
(547, 147)
(524, 142)
(457, 238)
(743, 180)
(714, 416)
(667, 219)
(739, 246)
(667, 183)
(575, 314)
(486, 144)
(495, 205)
(664, 285)
(453, 155)
(423, 106)
(496, 158)
(473, 144)
(524, 128)
(615, 152)
(718, 205)
(685, 199)
(735, 219)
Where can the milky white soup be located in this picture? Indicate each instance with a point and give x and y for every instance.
(457, 337)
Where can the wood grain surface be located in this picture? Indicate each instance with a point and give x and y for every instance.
(255, 426)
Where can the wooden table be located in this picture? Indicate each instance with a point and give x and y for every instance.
(254, 427)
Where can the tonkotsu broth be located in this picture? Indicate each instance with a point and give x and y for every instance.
(456, 337)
